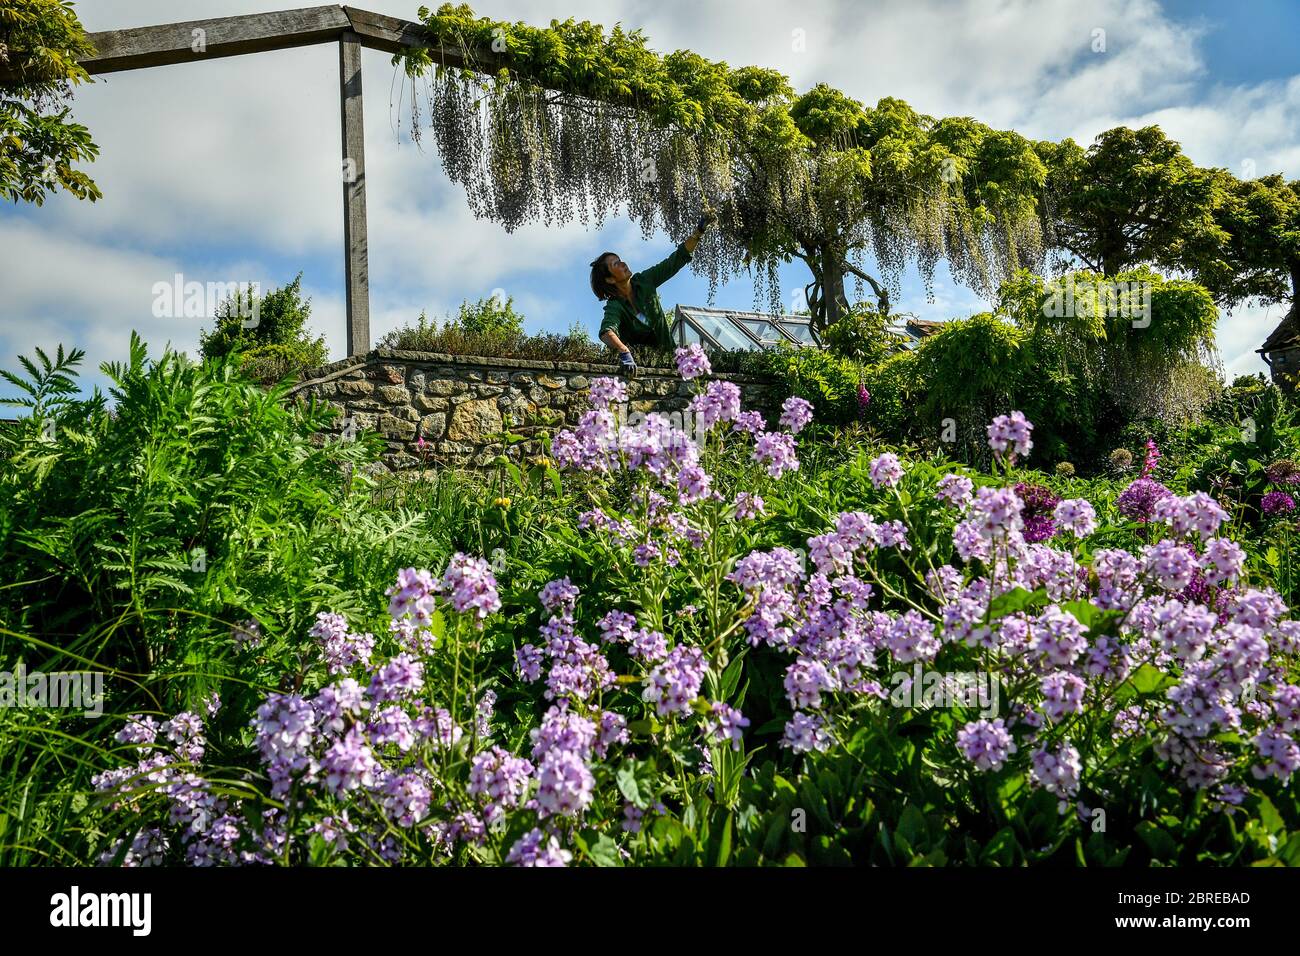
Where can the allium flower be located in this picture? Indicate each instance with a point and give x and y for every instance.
(986, 744)
(955, 489)
(776, 451)
(1010, 432)
(692, 362)
(1277, 503)
(605, 392)
(1076, 515)
(1121, 460)
(534, 849)
(1058, 772)
(886, 471)
(725, 723)
(796, 413)
(1138, 500)
(471, 587)
(1284, 471)
(1038, 504)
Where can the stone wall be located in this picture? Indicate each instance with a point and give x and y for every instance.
(456, 403)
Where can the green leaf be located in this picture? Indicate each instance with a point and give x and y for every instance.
(1148, 679)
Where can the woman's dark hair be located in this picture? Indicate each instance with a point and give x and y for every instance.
(599, 273)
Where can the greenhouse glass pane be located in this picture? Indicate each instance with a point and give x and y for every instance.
(722, 332)
(801, 332)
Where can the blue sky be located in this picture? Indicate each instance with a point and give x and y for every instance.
(227, 170)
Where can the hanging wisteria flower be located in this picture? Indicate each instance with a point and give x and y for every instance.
(1010, 432)
(692, 362)
(986, 744)
(1077, 516)
(886, 471)
(796, 413)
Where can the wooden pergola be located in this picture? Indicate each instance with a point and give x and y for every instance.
(143, 47)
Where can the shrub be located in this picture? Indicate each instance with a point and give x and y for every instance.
(279, 346)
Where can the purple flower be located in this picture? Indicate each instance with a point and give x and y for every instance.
(864, 399)
(725, 723)
(402, 676)
(955, 489)
(500, 779)
(1062, 694)
(1010, 432)
(606, 391)
(719, 403)
(471, 587)
(748, 506)
(886, 472)
(986, 744)
(559, 594)
(776, 451)
(1152, 456)
(1037, 505)
(564, 784)
(528, 662)
(675, 683)
(1138, 500)
(1076, 516)
(1058, 771)
(349, 764)
(1277, 503)
(692, 362)
(796, 413)
(413, 594)
(530, 850)
(805, 732)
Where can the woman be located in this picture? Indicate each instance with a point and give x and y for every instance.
(633, 313)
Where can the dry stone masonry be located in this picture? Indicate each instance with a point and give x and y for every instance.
(462, 404)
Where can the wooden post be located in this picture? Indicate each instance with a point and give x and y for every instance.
(356, 265)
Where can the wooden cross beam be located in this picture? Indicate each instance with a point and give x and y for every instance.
(143, 47)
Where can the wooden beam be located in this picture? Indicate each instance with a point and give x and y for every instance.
(193, 40)
(393, 35)
(356, 250)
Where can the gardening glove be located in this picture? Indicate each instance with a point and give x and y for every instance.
(626, 364)
(708, 219)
